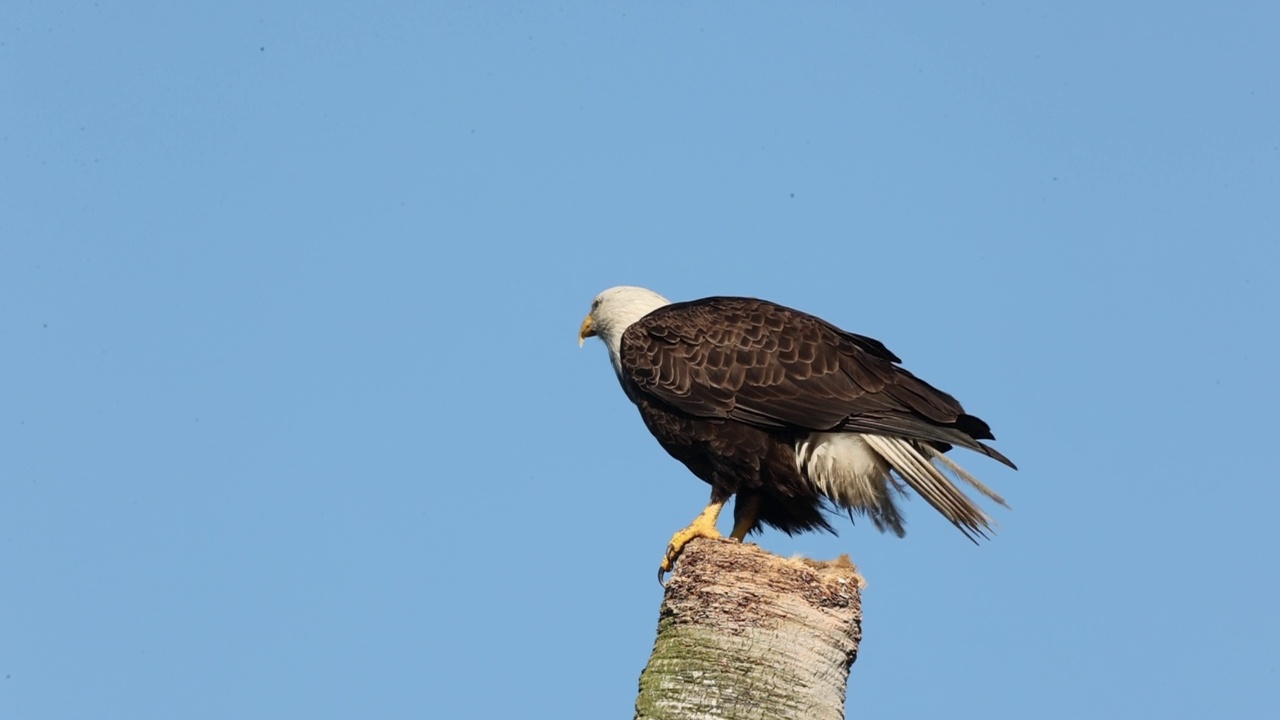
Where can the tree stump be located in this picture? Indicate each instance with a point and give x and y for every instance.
(744, 634)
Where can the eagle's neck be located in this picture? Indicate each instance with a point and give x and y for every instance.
(619, 312)
(613, 340)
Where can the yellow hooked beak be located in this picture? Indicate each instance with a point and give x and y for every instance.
(587, 330)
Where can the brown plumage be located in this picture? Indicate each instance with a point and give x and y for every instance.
(783, 409)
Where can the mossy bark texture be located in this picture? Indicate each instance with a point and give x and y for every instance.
(744, 634)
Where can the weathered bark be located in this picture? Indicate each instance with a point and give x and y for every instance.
(746, 634)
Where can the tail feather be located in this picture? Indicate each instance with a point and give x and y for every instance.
(964, 475)
(913, 463)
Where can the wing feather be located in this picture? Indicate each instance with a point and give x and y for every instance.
(773, 367)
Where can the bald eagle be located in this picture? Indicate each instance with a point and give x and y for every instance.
(785, 410)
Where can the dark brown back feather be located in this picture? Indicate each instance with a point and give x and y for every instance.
(775, 368)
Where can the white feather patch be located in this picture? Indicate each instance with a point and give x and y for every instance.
(844, 469)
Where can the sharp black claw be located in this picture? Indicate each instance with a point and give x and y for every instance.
(667, 565)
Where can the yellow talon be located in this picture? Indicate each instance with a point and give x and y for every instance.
(703, 526)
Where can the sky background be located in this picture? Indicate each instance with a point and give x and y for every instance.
(293, 422)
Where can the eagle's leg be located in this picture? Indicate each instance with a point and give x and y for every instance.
(746, 513)
(702, 526)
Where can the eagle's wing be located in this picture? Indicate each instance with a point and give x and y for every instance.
(773, 367)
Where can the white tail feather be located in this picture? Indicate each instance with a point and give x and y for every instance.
(915, 467)
(964, 475)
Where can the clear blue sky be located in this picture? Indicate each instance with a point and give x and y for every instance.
(294, 423)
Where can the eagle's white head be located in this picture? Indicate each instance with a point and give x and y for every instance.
(613, 311)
